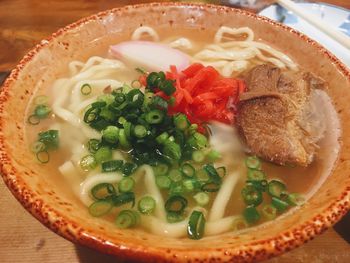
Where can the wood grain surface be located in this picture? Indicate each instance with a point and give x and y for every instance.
(24, 23)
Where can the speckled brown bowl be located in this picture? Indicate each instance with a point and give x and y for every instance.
(59, 210)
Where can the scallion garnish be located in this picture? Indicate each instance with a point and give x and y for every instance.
(112, 166)
(269, 211)
(201, 198)
(251, 215)
(88, 162)
(100, 208)
(102, 191)
(276, 188)
(146, 205)
(85, 89)
(188, 170)
(126, 185)
(42, 111)
(279, 204)
(251, 195)
(176, 204)
(196, 225)
(127, 219)
(253, 162)
(43, 156)
(163, 182)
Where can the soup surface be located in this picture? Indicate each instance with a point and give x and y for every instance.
(144, 134)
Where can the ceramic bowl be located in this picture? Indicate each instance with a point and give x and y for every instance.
(56, 208)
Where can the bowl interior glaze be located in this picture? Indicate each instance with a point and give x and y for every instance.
(58, 209)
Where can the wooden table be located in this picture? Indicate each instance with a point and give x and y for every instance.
(22, 238)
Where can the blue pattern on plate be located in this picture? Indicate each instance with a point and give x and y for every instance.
(345, 27)
(284, 16)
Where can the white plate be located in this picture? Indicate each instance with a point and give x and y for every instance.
(335, 16)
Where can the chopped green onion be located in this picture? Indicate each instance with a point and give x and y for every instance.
(253, 162)
(189, 185)
(201, 140)
(127, 219)
(50, 138)
(154, 117)
(141, 70)
(129, 168)
(210, 187)
(259, 185)
(119, 98)
(276, 188)
(279, 204)
(256, 175)
(201, 198)
(122, 199)
(107, 115)
(42, 111)
(126, 185)
(91, 115)
(43, 156)
(172, 101)
(221, 171)
(93, 145)
(136, 84)
(100, 124)
(188, 170)
(158, 103)
(102, 190)
(269, 211)
(146, 205)
(33, 119)
(100, 208)
(135, 98)
(198, 156)
(111, 134)
(176, 204)
(175, 175)
(107, 99)
(162, 138)
(99, 104)
(126, 88)
(172, 150)
(295, 199)
(123, 141)
(88, 163)
(213, 156)
(127, 129)
(251, 215)
(41, 99)
(163, 182)
(167, 87)
(181, 122)
(85, 89)
(239, 223)
(112, 166)
(196, 225)
(38, 147)
(213, 174)
(140, 131)
(176, 188)
(161, 169)
(251, 195)
(103, 154)
(202, 175)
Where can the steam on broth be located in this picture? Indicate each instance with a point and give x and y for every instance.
(133, 154)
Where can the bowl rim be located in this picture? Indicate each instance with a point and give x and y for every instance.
(254, 250)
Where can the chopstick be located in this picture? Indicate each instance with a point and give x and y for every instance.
(317, 22)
